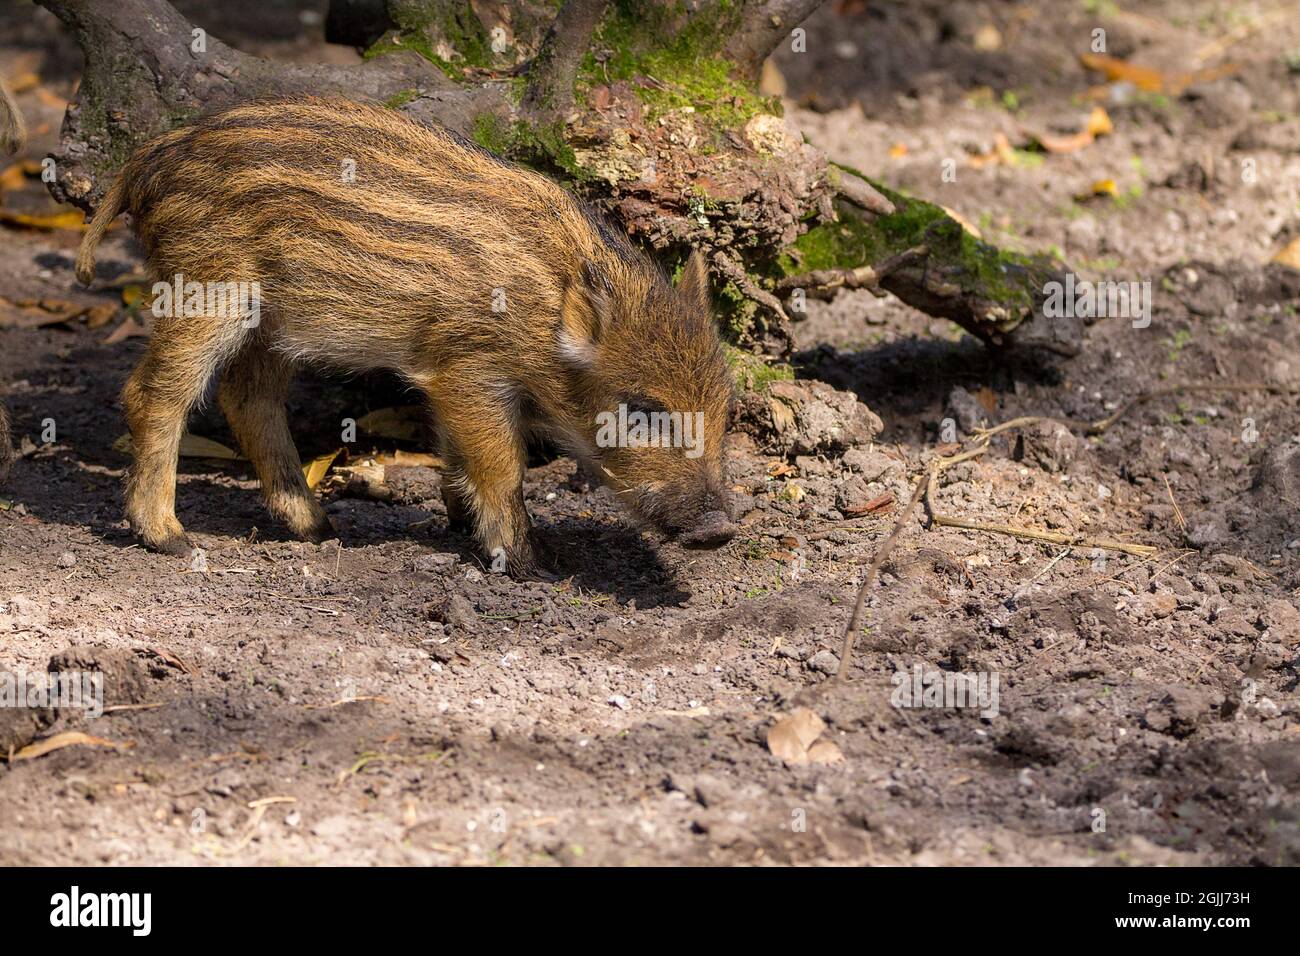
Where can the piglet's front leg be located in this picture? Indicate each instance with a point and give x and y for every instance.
(486, 461)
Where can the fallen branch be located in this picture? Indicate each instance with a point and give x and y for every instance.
(864, 195)
(824, 283)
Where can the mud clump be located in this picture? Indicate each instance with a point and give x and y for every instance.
(124, 678)
(1180, 710)
(806, 418)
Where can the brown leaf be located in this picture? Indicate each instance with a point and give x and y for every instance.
(130, 328)
(1290, 256)
(192, 446)
(69, 738)
(791, 736)
(404, 422)
(825, 751)
(58, 220)
(316, 469)
(409, 459)
(869, 507)
(1150, 80)
(100, 315)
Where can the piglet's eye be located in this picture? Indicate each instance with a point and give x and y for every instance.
(642, 403)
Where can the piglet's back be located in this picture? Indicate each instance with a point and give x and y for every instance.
(339, 207)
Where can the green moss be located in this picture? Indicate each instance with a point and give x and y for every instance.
(754, 373)
(539, 146)
(674, 66)
(422, 24)
(736, 311)
(401, 98)
(858, 240)
(417, 42)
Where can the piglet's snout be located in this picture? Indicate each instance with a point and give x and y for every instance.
(712, 530)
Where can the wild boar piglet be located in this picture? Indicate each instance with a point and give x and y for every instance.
(330, 233)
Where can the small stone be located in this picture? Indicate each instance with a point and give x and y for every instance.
(965, 410)
(460, 612)
(824, 661)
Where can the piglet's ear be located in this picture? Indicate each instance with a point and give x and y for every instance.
(584, 315)
(694, 282)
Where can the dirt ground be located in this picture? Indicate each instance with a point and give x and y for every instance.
(388, 700)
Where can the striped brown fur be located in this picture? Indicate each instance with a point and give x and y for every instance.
(400, 269)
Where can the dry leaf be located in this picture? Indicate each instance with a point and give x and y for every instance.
(22, 82)
(869, 507)
(1002, 153)
(1099, 123)
(988, 38)
(825, 751)
(1150, 80)
(58, 220)
(791, 736)
(127, 330)
(403, 422)
(1290, 256)
(69, 738)
(410, 459)
(192, 446)
(13, 178)
(100, 315)
(51, 99)
(1065, 144)
(316, 469)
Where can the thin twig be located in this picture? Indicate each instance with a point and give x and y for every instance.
(922, 487)
(1178, 512)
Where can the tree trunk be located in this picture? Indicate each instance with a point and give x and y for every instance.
(647, 109)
